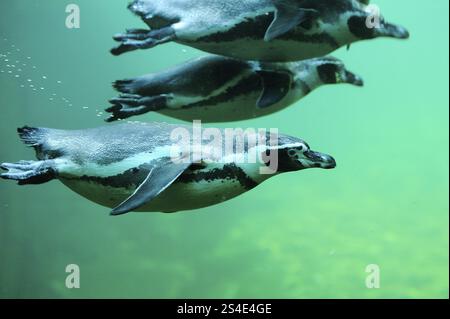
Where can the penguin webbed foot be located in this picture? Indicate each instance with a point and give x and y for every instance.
(128, 105)
(28, 172)
(135, 39)
(132, 34)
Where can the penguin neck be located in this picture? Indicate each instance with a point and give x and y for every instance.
(258, 172)
(342, 36)
(307, 81)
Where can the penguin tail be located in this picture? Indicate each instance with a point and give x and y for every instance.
(34, 137)
(138, 7)
(31, 136)
(125, 86)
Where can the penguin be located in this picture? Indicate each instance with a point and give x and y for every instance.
(157, 167)
(261, 30)
(221, 89)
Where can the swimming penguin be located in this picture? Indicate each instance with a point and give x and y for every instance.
(157, 166)
(261, 30)
(221, 89)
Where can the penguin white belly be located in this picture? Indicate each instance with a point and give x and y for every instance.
(178, 197)
(194, 195)
(239, 109)
(276, 50)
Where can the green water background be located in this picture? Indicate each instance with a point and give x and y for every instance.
(302, 235)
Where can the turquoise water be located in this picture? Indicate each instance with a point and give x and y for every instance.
(308, 234)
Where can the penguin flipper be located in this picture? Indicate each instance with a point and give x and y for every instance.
(276, 86)
(158, 180)
(287, 17)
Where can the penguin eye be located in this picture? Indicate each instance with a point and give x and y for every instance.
(292, 153)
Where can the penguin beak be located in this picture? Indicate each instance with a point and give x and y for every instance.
(392, 31)
(320, 160)
(353, 79)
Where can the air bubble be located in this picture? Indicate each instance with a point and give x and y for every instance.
(16, 66)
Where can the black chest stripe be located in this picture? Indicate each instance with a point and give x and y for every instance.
(256, 29)
(246, 86)
(132, 178)
(229, 172)
(129, 179)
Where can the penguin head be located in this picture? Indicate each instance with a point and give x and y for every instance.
(295, 154)
(332, 71)
(364, 25)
